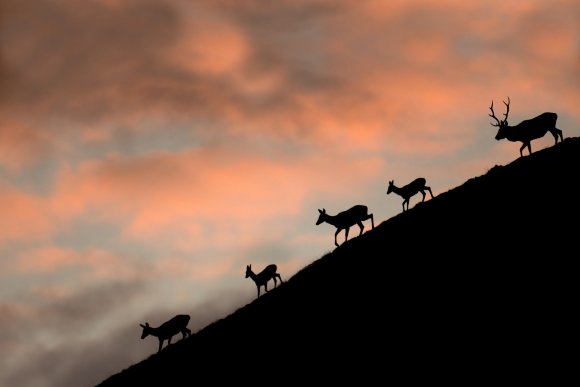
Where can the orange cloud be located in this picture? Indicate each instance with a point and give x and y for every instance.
(201, 197)
(211, 44)
(356, 76)
(48, 259)
(24, 216)
(22, 145)
(91, 266)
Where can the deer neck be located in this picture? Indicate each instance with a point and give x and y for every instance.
(254, 276)
(399, 191)
(153, 331)
(331, 219)
(512, 133)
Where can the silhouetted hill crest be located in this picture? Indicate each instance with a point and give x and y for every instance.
(477, 281)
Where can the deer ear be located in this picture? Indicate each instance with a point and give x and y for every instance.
(319, 210)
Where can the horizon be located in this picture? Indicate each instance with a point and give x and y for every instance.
(151, 150)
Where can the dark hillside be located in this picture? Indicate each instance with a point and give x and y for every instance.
(476, 284)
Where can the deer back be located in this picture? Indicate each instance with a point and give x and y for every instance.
(170, 327)
(413, 187)
(351, 216)
(535, 127)
(266, 274)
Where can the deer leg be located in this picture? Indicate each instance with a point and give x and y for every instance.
(346, 233)
(335, 234)
(405, 201)
(362, 227)
(557, 132)
(528, 145)
(280, 277)
(266, 287)
(423, 192)
(429, 189)
(160, 345)
(372, 220)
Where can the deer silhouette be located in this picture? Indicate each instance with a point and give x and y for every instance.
(410, 190)
(168, 329)
(527, 130)
(262, 278)
(345, 219)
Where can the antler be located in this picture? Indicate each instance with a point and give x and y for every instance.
(507, 105)
(492, 115)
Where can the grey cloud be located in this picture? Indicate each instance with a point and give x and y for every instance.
(83, 357)
(61, 53)
(92, 62)
(65, 324)
(79, 363)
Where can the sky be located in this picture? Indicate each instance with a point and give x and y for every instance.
(150, 150)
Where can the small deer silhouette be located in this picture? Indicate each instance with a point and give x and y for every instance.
(262, 278)
(410, 190)
(527, 130)
(168, 329)
(345, 219)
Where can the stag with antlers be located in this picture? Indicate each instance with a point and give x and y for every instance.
(527, 130)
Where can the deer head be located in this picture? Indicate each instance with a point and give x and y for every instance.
(145, 330)
(391, 185)
(321, 217)
(502, 125)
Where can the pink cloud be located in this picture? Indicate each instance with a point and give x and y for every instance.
(371, 103)
(362, 83)
(24, 216)
(22, 145)
(201, 197)
(96, 265)
(210, 45)
(195, 269)
(48, 259)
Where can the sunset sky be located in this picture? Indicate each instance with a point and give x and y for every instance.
(151, 149)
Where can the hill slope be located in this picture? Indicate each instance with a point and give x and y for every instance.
(475, 284)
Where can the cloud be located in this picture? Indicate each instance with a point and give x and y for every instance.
(315, 72)
(94, 46)
(46, 341)
(96, 264)
(21, 145)
(24, 216)
(198, 196)
(62, 343)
